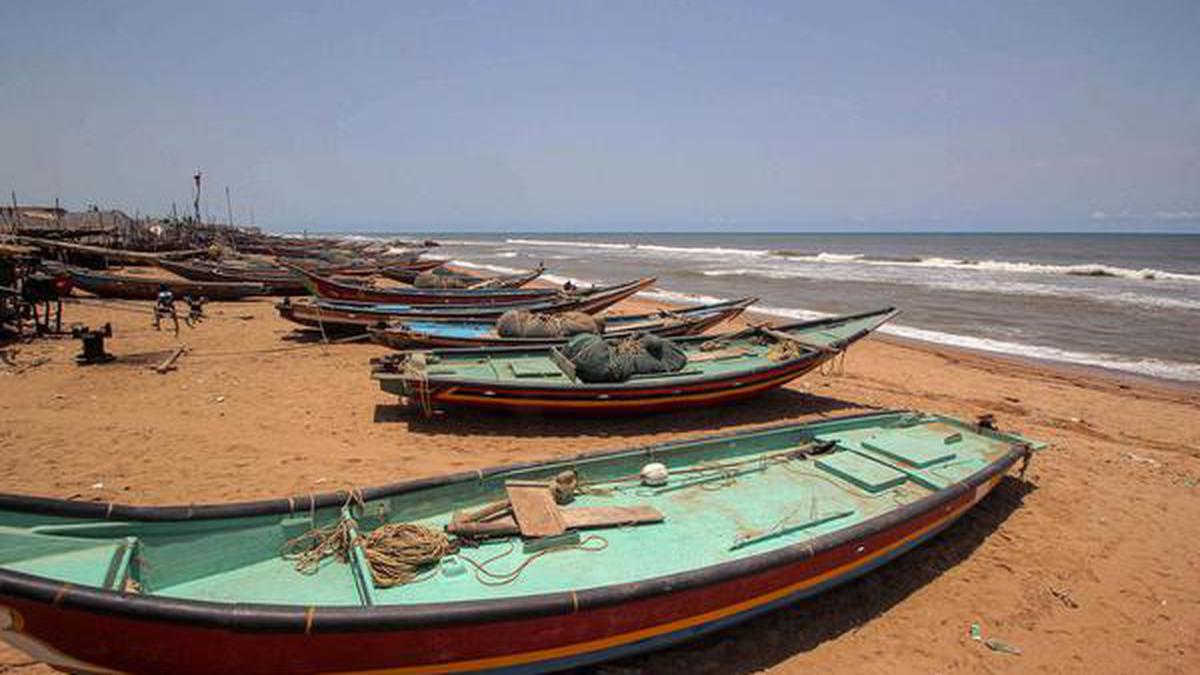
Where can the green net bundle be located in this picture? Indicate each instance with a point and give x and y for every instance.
(598, 360)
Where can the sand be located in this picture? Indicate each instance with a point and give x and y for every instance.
(1089, 566)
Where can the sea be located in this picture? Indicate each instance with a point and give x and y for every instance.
(1123, 302)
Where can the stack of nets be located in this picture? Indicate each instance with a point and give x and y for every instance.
(435, 279)
(523, 323)
(597, 360)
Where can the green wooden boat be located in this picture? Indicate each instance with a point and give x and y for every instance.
(719, 369)
(660, 544)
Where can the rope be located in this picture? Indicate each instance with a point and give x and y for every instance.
(628, 346)
(836, 365)
(489, 578)
(319, 543)
(417, 380)
(311, 548)
(396, 551)
(785, 350)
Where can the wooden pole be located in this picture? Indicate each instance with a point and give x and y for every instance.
(228, 208)
(196, 201)
(15, 226)
(169, 364)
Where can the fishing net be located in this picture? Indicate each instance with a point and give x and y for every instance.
(523, 323)
(433, 279)
(596, 360)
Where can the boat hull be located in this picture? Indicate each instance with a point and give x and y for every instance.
(281, 282)
(140, 288)
(605, 401)
(433, 386)
(67, 627)
(408, 275)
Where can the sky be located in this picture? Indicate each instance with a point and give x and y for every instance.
(608, 116)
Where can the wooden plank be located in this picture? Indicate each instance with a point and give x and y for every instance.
(717, 355)
(169, 364)
(536, 513)
(586, 517)
(564, 364)
(580, 517)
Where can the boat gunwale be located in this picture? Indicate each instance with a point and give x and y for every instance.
(263, 617)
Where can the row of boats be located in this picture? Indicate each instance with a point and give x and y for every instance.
(524, 568)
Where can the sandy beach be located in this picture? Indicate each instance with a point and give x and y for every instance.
(1086, 567)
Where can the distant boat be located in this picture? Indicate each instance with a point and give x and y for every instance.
(356, 317)
(147, 288)
(655, 546)
(417, 334)
(408, 275)
(278, 280)
(326, 287)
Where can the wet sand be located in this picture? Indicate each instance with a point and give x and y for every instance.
(1089, 566)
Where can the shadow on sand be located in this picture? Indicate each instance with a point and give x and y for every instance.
(774, 406)
(770, 639)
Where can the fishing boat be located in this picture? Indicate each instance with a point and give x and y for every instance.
(278, 280)
(719, 369)
(529, 568)
(100, 257)
(356, 317)
(147, 288)
(415, 334)
(331, 289)
(407, 275)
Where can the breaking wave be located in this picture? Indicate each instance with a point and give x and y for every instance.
(1149, 367)
(1171, 370)
(981, 285)
(826, 257)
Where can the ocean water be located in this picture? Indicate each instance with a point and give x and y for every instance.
(1124, 302)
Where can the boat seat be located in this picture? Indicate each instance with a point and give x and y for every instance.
(920, 446)
(101, 563)
(535, 369)
(720, 354)
(868, 474)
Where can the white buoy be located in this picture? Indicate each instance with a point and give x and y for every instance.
(654, 474)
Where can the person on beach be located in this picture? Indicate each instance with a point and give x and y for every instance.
(195, 310)
(164, 306)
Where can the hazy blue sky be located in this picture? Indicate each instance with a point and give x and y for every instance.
(612, 115)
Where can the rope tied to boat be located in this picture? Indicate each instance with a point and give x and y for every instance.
(593, 543)
(395, 553)
(416, 381)
(785, 350)
(835, 366)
